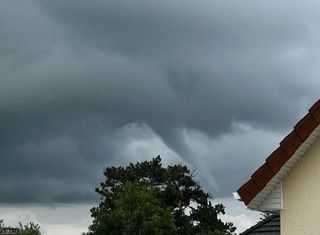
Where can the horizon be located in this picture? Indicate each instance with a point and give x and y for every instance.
(214, 85)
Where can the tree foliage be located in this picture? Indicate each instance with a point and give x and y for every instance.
(137, 210)
(27, 229)
(146, 196)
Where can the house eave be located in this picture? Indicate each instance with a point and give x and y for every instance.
(257, 201)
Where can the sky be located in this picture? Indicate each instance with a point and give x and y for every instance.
(212, 84)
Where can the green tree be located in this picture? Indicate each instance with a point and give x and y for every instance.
(137, 210)
(172, 187)
(1, 226)
(29, 229)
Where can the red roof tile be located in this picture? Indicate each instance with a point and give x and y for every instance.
(248, 191)
(262, 176)
(280, 156)
(277, 159)
(305, 126)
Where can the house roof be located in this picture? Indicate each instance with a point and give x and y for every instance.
(268, 226)
(279, 157)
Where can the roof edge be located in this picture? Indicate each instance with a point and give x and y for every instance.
(262, 222)
(279, 157)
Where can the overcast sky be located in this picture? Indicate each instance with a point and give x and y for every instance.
(84, 84)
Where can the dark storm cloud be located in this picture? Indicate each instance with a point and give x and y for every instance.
(75, 74)
(204, 53)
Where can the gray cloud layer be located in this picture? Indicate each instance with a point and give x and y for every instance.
(213, 84)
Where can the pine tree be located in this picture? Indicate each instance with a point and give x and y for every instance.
(176, 190)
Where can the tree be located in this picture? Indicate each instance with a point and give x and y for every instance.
(137, 211)
(1, 226)
(28, 229)
(185, 207)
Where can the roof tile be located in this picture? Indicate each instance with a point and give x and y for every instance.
(262, 176)
(291, 143)
(305, 126)
(277, 159)
(315, 111)
(268, 226)
(248, 191)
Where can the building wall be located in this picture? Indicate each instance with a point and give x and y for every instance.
(301, 196)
